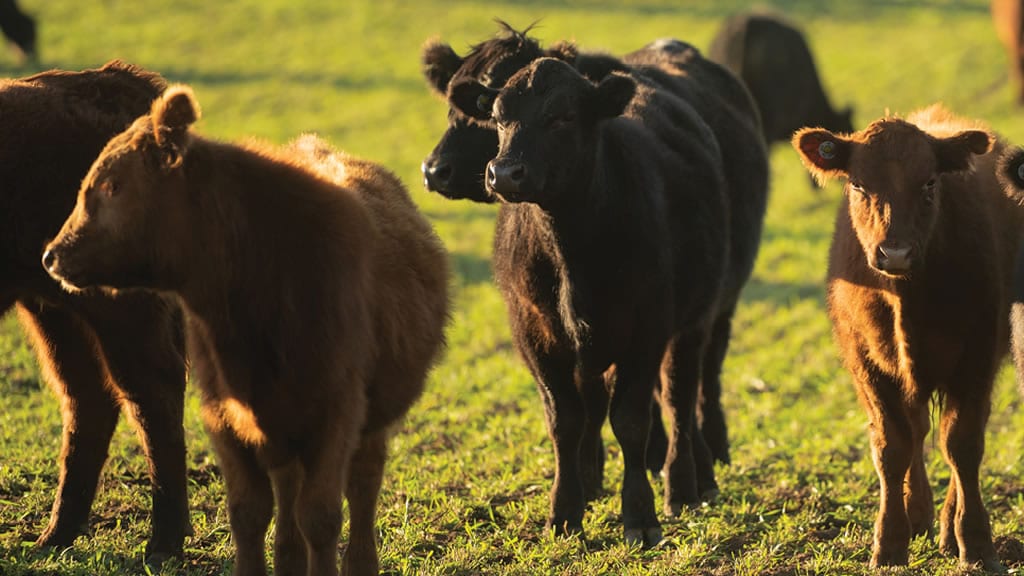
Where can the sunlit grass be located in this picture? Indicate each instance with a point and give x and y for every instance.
(467, 485)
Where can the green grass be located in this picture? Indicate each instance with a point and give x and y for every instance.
(467, 483)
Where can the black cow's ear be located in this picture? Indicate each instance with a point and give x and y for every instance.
(1011, 172)
(472, 99)
(612, 96)
(440, 63)
(956, 153)
(824, 154)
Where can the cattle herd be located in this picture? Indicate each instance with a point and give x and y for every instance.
(632, 194)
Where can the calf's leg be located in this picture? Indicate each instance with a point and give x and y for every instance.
(142, 341)
(66, 350)
(963, 443)
(289, 547)
(892, 450)
(712, 416)
(364, 481)
(918, 493)
(689, 472)
(631, 422)
(595, 403)
(564, 414)
(250, 498)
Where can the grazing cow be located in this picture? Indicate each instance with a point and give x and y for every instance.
(316, 296)
(100, 354)
(1008, 17)
(918, 292)
(707, 87)
(19, 28)
(1011, 176)
(773, 60)
(611, 251)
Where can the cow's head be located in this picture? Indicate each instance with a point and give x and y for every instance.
(894, 177)
(455, 168)
(131, 206)
(546, 117)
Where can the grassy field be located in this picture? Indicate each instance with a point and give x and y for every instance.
(467, 483)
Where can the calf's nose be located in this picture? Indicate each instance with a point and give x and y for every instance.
(505, 178)
(894, 257)
(49, 260)
(437, 173)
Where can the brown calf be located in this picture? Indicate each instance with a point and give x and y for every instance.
(918, 291)
(317, 298)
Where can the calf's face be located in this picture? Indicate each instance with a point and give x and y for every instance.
(893, 174)
(131, 205)
(547, 117)
(455, 168)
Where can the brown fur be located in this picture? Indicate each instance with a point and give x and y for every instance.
(1008, 17)
(99, 354)
(918, 292)
(317, 298)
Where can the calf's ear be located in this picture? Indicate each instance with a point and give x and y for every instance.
(955, 153)
(1011, 172)
(473, 99)
(172, 113)
(440, 63)
(824, 154)
(612, 96)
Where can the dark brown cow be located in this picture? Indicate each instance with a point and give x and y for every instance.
(1008, 17)
(918, 292)
(773, 60)
(100, 354)
(317, 299)
(611, 251)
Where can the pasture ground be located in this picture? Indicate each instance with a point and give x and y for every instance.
(467, 483)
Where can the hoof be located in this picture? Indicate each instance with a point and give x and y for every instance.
(643, 537)
(567, 529)
(989, 564)
(890, 558)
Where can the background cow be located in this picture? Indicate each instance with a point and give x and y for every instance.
(773, 60)
(100, 354)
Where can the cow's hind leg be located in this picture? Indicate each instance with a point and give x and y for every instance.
(712, 416)
(963, 443)
(365, 476)
(289, 547)
(595, 402)
(142, 341)
(250, 498)
(66, 349)
(631, 422)
(688, 468)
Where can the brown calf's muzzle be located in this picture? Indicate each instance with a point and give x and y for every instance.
(893, 258)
